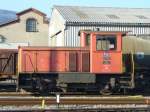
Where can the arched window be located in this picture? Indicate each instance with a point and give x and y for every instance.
(31, 25)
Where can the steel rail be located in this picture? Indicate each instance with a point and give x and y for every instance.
(29, 100)
(73, 103)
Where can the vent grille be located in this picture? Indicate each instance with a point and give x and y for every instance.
(85, 62)
(72, 62)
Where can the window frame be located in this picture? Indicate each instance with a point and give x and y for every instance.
(105, 37)
(31, 25)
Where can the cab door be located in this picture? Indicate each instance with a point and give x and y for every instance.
(106, 53)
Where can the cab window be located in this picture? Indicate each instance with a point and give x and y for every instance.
(87, 40)
(106, 42)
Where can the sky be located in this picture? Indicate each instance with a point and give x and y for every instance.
(47, 5)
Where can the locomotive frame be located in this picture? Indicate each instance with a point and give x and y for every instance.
(83, 69)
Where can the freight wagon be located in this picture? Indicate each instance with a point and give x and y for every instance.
(8, 63)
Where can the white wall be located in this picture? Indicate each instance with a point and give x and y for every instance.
(12, 45)
(57, 23)
(59, 40)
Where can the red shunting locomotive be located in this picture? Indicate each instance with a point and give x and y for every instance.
(106, 62)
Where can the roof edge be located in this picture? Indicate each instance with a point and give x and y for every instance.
(97, 7)
(31, 9)
(105, 24)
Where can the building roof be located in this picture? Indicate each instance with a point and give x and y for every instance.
(9, 17)
(104, 14)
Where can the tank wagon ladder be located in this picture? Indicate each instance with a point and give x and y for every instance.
(132, 71)
(128, 82)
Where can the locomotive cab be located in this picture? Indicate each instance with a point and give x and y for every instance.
(105, 51)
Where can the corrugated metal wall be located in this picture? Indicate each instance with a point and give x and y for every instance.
(72, 38)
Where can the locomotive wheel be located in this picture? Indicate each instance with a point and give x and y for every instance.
(106, 92)
(64, 90)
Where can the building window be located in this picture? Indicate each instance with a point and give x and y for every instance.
(31, 25)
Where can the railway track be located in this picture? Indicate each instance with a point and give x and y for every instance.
(73, 103)
(15, 94)
(26, 100)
